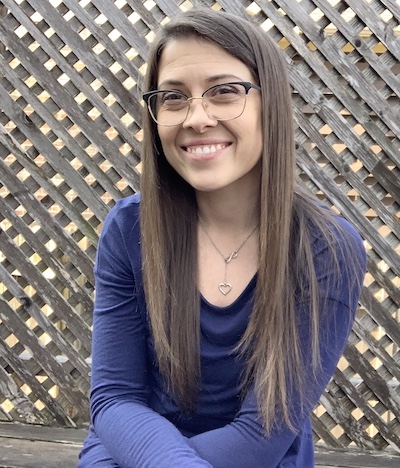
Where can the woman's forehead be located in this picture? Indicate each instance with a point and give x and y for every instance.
(198, 59)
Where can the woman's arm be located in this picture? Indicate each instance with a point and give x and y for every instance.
(243, 442)
(132, 433)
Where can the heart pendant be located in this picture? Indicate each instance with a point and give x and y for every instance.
(225, 288)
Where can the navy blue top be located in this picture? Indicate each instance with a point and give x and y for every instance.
(135, 423)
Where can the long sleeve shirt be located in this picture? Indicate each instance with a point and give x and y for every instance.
(136, 423)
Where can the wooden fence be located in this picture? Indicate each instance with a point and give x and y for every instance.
(70, 120)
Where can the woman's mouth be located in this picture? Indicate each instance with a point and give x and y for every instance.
(201, 150)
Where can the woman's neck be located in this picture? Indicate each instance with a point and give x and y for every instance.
(233, 210)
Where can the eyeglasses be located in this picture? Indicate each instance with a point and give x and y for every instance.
(222, 102)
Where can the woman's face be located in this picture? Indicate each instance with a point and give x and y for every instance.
(210, 154)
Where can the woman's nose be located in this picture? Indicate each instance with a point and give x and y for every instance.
(198, 116)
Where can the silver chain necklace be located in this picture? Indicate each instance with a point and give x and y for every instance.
(225, 287)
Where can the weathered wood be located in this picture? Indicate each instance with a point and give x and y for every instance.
(345, 205)
(88, 20)
(322, 432)
(382, 316)
(168, 8)
(121, 22)
(380, 68)
(369, 17)
(378, 351)
(343, 168)
(20, 193)
(81, 296)
(22, 405)
(91, 61)
(39, 175)
(326, 457)
(383, 280)
(66, 101)
(49, 365)
(46, 325)
(318, 64)
(60, 131)
(52, 407)
(369, 412)
(40, 447)
(347, 69)
(47, 291)
(45, 147)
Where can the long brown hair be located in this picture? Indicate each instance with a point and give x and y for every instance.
(169, 236)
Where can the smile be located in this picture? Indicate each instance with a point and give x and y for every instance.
(205, 149)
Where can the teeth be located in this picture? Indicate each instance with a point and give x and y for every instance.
(204, 149)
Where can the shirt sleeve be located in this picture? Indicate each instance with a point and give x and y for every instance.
(243, 442)
(132, 433)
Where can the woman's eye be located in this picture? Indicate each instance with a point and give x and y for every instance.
(225, 94)
(226, 89)
(172, 96)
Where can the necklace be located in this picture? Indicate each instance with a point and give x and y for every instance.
(225, 287)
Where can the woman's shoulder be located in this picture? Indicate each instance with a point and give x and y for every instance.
(331, 237)
(336, 241)
(119, 242)
(336, 229)
(129, 204)
(124, 213)
(324, 224)
(121, 228)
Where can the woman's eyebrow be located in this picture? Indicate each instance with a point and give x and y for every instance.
(171, 83)
(224, 76)
(210, 79)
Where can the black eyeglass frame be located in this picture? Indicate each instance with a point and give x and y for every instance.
(247, 85)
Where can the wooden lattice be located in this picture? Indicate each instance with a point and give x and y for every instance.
(70, 120)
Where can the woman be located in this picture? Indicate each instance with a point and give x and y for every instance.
(220, 316)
